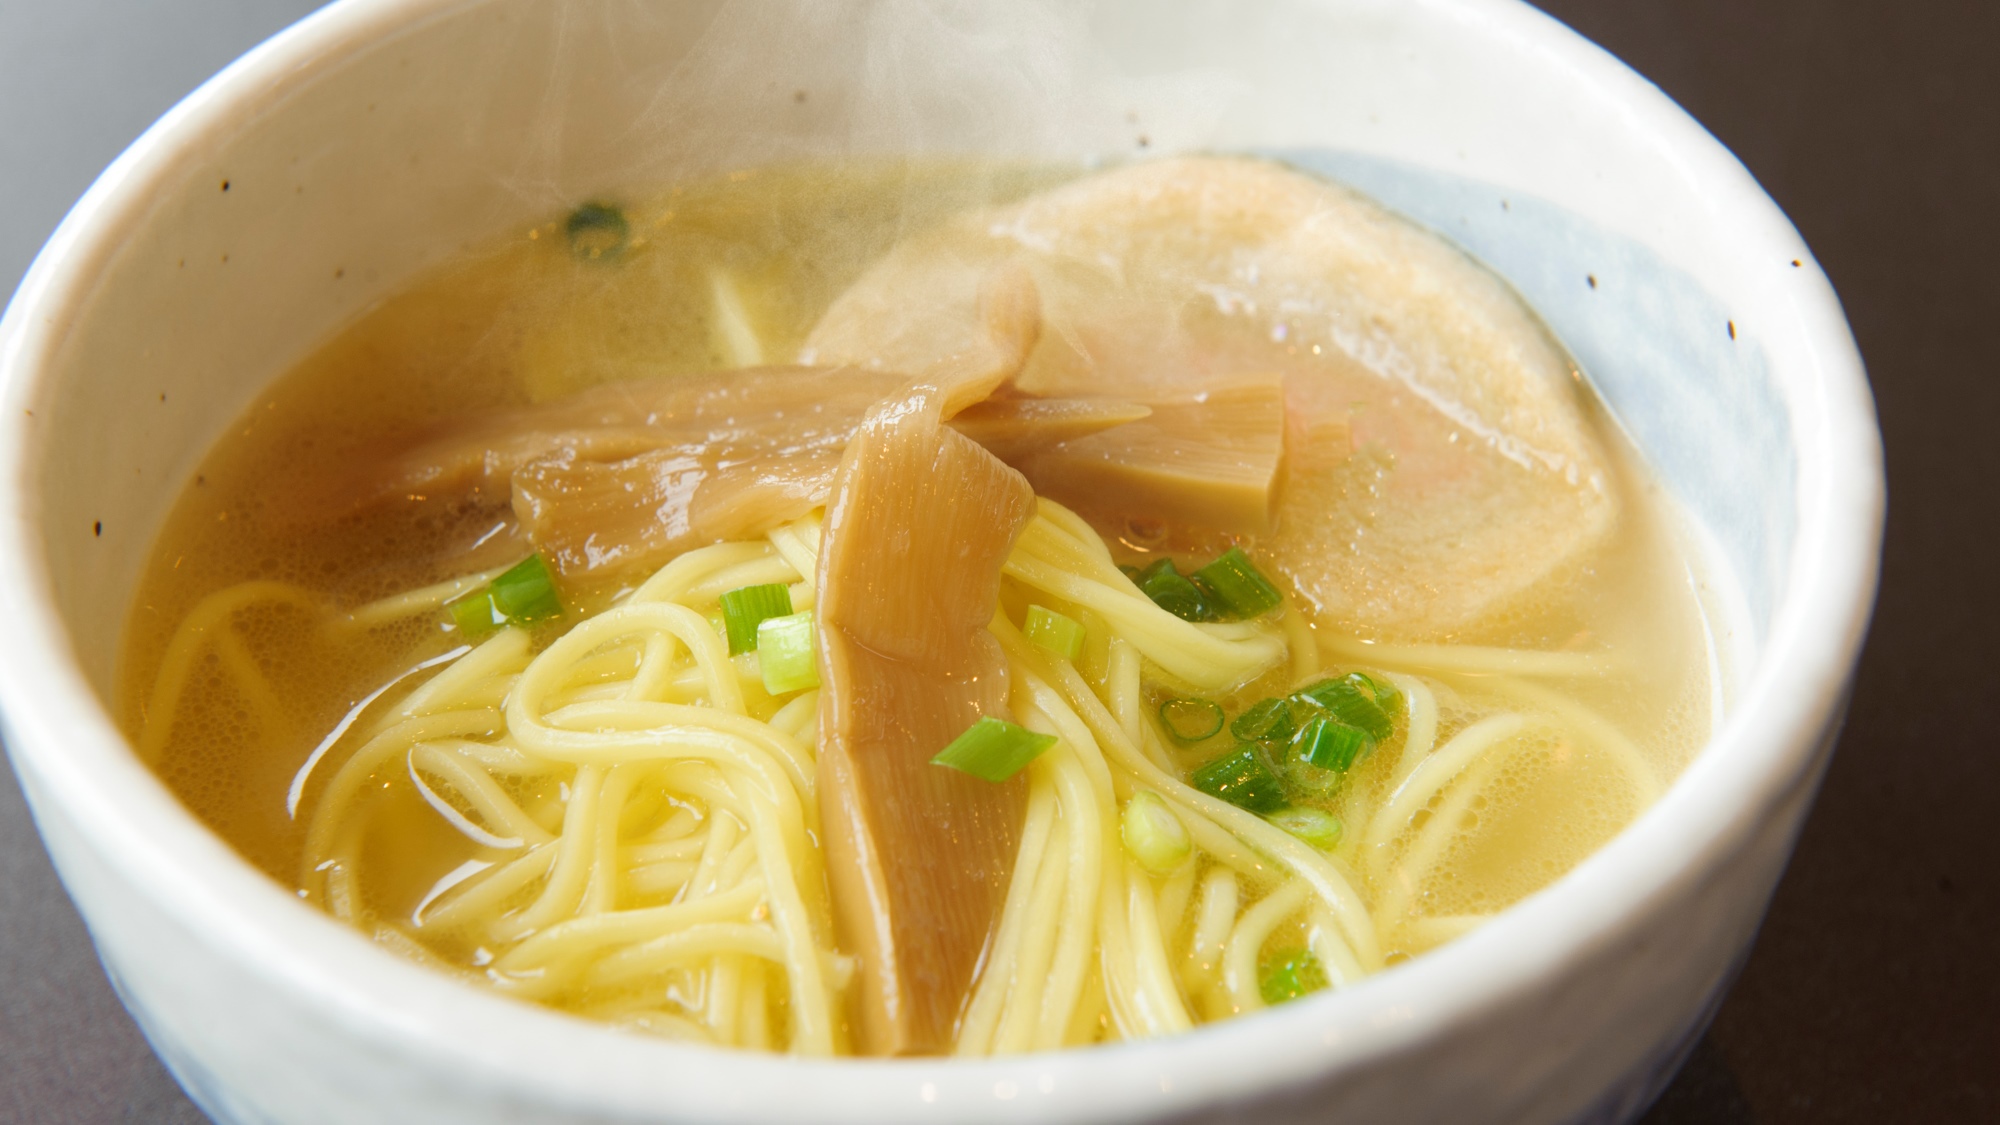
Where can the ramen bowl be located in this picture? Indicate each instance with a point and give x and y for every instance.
(379, 137)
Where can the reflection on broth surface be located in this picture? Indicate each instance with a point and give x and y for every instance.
(585, 619)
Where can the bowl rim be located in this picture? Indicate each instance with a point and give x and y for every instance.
(1761, 757)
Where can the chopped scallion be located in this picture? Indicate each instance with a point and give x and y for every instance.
(524, 594)
(475, 614)
(1153, 834)
(1290, 975)
(1171, 591)
(1351, 700)
(785, 653)
(1305, 781)
(994, 749)
(1317, 827)
(1239, 584)
(1387, 697)
(527, 592)
(1055, 632)
(1241, 778)
(596, 231)
(746, 607)
(1267, 720)
(1191, 720)
(1330, 744)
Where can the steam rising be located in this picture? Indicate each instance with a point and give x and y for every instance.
(631, 96)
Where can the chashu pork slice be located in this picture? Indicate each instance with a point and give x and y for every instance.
(1439, 462)
(587, 515)
(918, 856)
(742, 452)
(627, 475)
(724, 418)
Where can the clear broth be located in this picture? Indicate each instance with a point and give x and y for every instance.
(529, 319)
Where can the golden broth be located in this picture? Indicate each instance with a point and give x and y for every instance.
(530, 319)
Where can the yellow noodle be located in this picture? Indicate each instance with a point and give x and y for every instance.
(386, 747)
(992, 991)
(500, 812)
(754, 1024)
(657, 1021)
(676, 848)
(1420, 711)
(620, 926)
(1089, 819)
(1021, 986)
(723, 835)
(1305, 648)
(496, 757)
(1645, 783)
(770, 569)
(680, 859)
(473, 674)
(1334, 956)
(1434, 772)
(1173, 900)
(699, 941)
(1214, 918)
(1422, 854)
(428, 599)
(1246, 944)
(249, 680)
(803, 553)
(671, 582)
(659, 878)
(601, 892)
(563, 892)
(1259, 834)
(485, 895)
(1159, 991)
(202, 622)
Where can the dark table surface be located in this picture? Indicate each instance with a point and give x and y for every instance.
(1874, 990)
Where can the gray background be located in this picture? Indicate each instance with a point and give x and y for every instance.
(1874, 990)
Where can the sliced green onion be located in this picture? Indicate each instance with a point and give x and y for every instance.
(475, 614)
(1051, 630)
(746, 607)
(527, 592)
(1191, 720)
(1317, 827)
(1153, 834)
(785, 653)
(1330, 744)
(1265, 721)
(994, 749)
(1241, 778)
(1351, 700)
(1240, 585)
(1171, 591)
(1305, 781)
(1289, 975)
(1131, 572)
(1387, 697)
(597, 231)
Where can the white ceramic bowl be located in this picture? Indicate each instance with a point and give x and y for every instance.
(378, 136)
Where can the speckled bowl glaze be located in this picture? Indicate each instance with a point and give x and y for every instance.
(379, 136)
